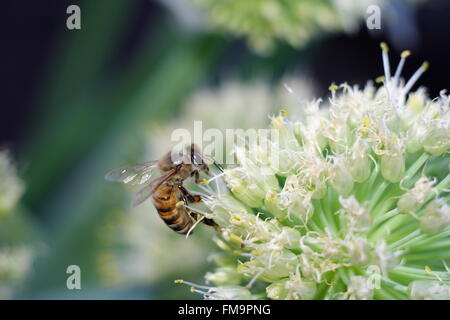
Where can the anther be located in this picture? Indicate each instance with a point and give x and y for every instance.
(405, 54)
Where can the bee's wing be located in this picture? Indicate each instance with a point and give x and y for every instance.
(139, 173)
(147, 191)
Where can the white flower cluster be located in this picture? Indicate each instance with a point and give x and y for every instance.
(11, 187)
(354, 206)
(15, 263)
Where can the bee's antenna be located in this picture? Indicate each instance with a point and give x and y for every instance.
(215, 163)
(218, 166)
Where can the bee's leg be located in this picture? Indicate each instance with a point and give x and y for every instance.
(189, 197)
(211, 223)
(196, 174)
(195, 215)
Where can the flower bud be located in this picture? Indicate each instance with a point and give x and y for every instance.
(277, 290)
(357, 217)
(300, 208)
(229, 293)
(392, 167)
(384, 258)
(359, 288)
(415, 137)
(340, 178)
(293, 201)
(274, 204)
(224, 276)
(250, 183)
(358, 251)
(221, 259)
(415, 105)
(436, 217)
(274, 264)
(285, 145)
(413, 199)
(437, 141)
(429, 290)
(224, 207)
(293, 289)
(358, 163)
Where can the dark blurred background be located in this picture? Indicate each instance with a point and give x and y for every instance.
(32, 32)
(75, 102)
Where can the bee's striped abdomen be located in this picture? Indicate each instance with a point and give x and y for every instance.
(165, 201)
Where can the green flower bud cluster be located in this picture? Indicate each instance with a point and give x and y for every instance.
(264, 22)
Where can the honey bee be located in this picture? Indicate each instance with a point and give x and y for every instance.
(167, 191)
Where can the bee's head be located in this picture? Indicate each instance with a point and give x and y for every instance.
(198, 160)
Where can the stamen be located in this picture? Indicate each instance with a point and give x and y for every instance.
(333, 89)
(403, 57)
(288, 88)
(379, 79)
(415, 77)
(446, 266)
(196, 210)
(191, 284)
(219, 192)
(215, 177)
(405, 54)
(207, 189)
(432, 273)
(204, 293)
(387, 68)
(195, 224)
(252, 281)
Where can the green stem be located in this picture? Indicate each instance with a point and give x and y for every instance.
(433, 246)
(382, 294)
(404, 241)
(329, 218)
(384, 206)
(444, 184)
(365, 188)
(409, 175)
(415, 273)
(397, 294)
(313, 225)
(388, 227)
(377, 221)
(393, 284)
(420, 241)
(377, 195)
(427, 256)
(343, 275)
(402, 231)
(415, 167)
